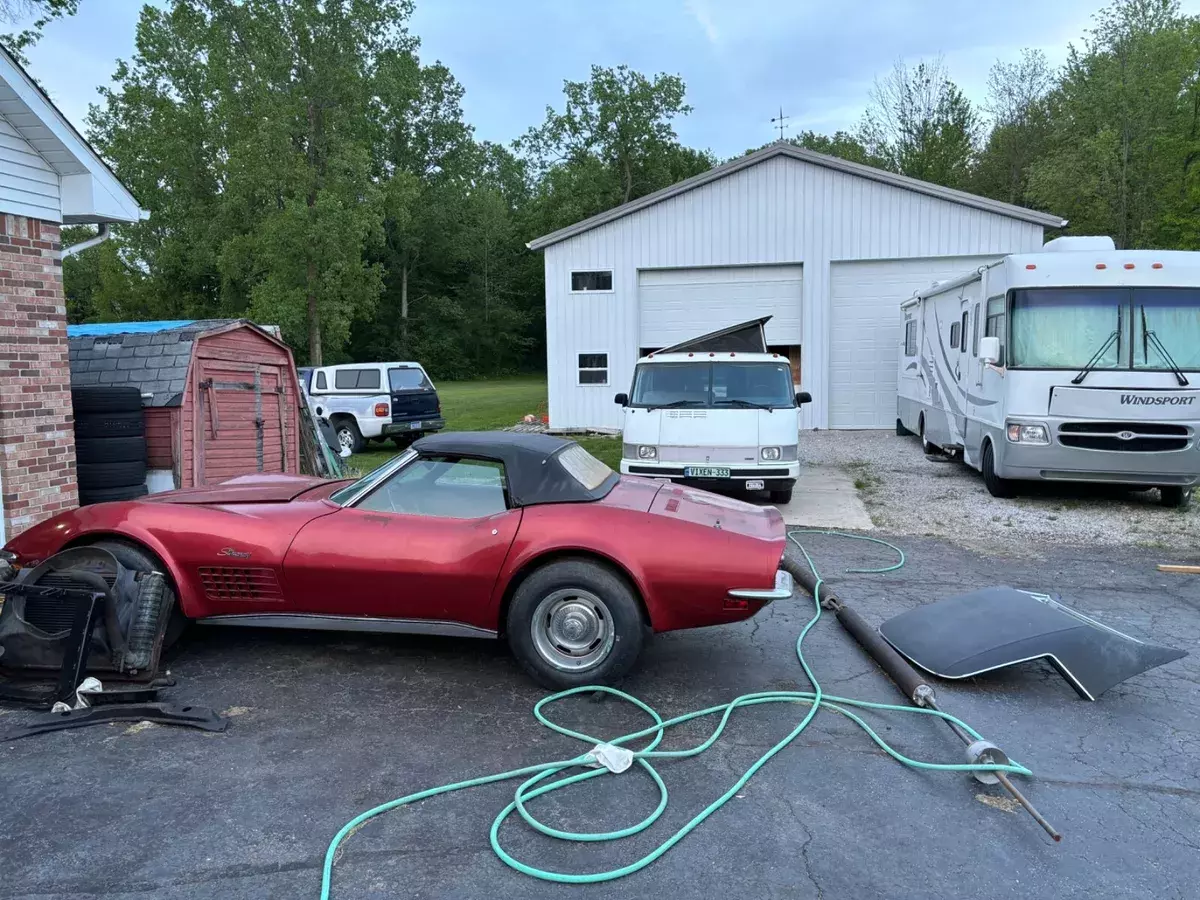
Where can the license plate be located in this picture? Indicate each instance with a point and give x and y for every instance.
(705, 472)
(756, 484)
(415, 426)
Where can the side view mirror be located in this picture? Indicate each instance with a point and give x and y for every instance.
(621, 399)
(803, 397)
(989, 350)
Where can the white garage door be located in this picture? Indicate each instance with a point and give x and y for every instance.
(865, 332)
(677, 304)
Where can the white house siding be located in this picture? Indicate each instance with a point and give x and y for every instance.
(781, 211)
(28, 185)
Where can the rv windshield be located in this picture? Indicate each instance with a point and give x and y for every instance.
(1063, 328)
(762, 385)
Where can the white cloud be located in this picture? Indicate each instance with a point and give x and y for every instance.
(699, 11)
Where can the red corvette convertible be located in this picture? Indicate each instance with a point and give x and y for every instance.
(483, 534)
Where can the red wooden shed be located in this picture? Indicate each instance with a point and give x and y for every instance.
(220, 396)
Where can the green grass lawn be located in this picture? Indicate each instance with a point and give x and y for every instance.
(486, 406)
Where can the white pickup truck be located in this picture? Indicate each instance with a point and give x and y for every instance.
(375, 401)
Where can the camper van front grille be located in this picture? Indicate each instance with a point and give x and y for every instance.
(1127, 437)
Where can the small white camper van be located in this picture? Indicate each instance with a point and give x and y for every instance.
(717, 411)
(1077, 363)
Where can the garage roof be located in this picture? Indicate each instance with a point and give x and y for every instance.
(784, 148)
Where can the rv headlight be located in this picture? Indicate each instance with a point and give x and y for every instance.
(1020, 433)
(645, 451)
(770, 453)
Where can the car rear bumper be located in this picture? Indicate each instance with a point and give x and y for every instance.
(784, 586)
(407, 426)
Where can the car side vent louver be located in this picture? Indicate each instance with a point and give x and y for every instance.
(240, 583)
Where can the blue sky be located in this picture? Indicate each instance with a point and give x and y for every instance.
(741, 59)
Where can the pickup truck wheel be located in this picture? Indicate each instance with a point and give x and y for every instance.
(996, 486)
(1175, 496)
(575, 622)
(348, 435)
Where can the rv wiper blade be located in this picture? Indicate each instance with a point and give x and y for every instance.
(675, 404)
(1096, 357)
(748, 404)
(1147, 334)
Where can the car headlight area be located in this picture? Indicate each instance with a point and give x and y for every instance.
(770, 453)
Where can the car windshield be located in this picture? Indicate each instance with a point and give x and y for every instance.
(408, 379)
(1064, 328)
(344, 495)
(766, 385)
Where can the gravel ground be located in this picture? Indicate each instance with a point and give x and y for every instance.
(906, 493)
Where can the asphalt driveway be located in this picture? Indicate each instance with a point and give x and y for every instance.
(324, 726)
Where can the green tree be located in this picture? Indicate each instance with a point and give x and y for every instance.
(919, 123)
(251, 128)
(1020, 126)
(40, 13)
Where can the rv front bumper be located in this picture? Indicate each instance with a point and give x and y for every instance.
(773, 476)
(1058, 462)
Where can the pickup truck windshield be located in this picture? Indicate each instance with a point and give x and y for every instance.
(1063, 328)
(713, 385)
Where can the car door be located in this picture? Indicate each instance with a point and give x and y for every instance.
(425, 543)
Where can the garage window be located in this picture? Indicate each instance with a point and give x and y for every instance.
(593, 368)
(588, 282)
(954, 333)
(910, 337)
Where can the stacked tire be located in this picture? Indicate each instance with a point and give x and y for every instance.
(110, 443)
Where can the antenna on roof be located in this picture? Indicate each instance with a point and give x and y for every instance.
(778, 121)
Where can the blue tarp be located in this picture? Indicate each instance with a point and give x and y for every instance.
(102, 329)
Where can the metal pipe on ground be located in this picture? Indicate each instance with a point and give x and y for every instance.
(910, 682)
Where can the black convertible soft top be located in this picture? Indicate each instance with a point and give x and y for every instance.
(534, 464)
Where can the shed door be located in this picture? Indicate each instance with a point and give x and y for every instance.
(866, 332)
(239, 409)
(677, 304)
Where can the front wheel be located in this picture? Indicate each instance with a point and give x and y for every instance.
(782, 496)
(996, 486)
(1175, 496)
(575, 622)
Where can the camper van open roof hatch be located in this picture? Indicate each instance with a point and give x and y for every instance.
(747, 337)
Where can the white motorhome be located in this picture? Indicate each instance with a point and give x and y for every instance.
(1077, 363)
(718, 411)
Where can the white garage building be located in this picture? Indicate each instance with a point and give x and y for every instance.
(829, 248)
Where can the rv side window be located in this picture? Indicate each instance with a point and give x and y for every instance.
(962, 331)
(910, 337)
(954, 327)
(975, 333)
(994, 326)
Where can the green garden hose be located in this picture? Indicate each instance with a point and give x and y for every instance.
(539, 778)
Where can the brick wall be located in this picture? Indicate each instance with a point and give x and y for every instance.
(37, 437)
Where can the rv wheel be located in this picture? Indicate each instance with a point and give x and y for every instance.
(1175, 496)
(927, 448)
(996, 486)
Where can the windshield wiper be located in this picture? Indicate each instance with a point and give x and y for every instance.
(1149, 336)
(1099, 354)
(675, 404)
(748, 404)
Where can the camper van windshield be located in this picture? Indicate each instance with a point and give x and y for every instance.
(766, 385)
(1064, 328)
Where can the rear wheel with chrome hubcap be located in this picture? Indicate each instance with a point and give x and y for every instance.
(575, 622)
